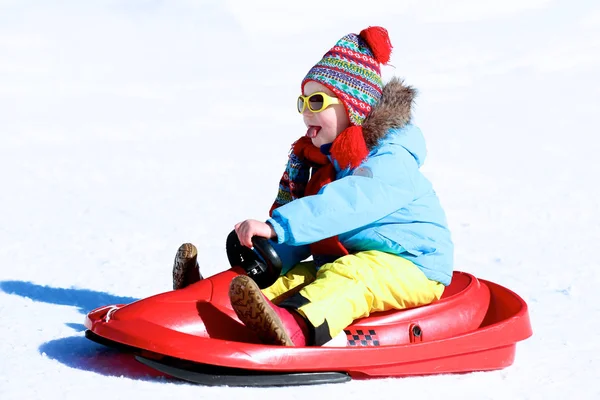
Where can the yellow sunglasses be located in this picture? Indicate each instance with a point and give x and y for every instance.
(316, 102)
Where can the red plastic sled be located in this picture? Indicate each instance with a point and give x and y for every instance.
(193, 334)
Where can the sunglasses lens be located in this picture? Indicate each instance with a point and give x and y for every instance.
(315, 102)
(300, 104)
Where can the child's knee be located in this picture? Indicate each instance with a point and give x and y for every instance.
(295, 279)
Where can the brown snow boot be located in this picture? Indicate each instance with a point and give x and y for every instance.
(272, 324)
(185, 267)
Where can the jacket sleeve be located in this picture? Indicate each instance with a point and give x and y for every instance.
(380, 186)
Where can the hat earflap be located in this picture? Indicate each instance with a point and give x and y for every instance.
(349, 148)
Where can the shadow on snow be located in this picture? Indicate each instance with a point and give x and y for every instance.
(77, 351)
(84, 299)
(80, 353)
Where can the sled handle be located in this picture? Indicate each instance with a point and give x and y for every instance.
(262, 264)
(267, 252)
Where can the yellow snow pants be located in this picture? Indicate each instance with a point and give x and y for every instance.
(352, 287)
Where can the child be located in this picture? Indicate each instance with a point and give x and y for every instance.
(371, 221)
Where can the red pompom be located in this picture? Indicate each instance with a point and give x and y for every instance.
(378, 40)
(349, 148)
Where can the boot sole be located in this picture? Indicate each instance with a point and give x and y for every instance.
(186, 258)
(254, 311)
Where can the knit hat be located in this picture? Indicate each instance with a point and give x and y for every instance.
(351, 70)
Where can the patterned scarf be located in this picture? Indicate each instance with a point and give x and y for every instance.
(348, 150)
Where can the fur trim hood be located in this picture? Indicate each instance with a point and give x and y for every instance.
(394, 110)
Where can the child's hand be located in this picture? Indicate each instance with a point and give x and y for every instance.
(251, 227)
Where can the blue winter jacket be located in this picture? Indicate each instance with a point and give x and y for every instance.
(385, 204)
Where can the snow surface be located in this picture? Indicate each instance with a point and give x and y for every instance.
(129, 127)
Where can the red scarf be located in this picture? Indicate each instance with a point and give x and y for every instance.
(348, 150)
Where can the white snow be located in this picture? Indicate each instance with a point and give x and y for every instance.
(129, 127)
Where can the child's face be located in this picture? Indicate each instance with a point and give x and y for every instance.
(323, 127)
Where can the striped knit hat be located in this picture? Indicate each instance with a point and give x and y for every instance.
(351, 70)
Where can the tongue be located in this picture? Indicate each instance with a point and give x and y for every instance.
(312, 131)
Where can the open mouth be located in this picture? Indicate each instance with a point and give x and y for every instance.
(313, 131)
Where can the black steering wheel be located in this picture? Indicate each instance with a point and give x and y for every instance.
(263, 268)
